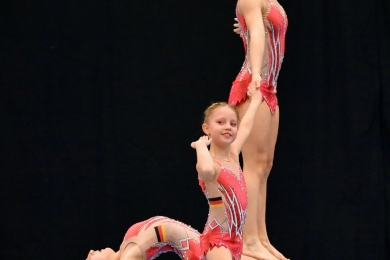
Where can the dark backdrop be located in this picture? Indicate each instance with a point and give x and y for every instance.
(101, 99)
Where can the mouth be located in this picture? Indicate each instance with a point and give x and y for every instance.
(227, 134)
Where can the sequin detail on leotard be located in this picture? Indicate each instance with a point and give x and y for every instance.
(225, 223)
(159, 235)
(275, 28)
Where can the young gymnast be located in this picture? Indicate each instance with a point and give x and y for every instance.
(150, 238)
(221, 177)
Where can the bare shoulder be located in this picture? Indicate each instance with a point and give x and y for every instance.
(234, 152)
(249, 4)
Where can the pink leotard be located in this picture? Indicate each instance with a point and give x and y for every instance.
(275, 30)
(159, 235)
(228, 202)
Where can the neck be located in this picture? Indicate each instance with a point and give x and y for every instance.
(220, 152)
(116, 256)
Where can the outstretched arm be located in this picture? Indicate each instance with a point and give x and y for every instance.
(252, 12)
(205, 164)
(247, 120)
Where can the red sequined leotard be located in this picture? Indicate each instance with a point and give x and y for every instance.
(275, 24)
(228, 202)
(159, 235)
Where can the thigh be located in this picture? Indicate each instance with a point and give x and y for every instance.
(260, 145)
(219, 253)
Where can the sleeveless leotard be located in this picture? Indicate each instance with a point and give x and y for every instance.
(275, 31)
(159, 235)
(228, 202)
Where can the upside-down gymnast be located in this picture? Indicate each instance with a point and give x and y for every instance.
(262, 25)
(221, 178)
(148, 239)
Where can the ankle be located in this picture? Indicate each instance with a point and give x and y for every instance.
(251, 241)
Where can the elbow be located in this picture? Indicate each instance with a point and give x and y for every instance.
(206, 172)
(256, 34)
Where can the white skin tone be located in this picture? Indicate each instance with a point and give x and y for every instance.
(258, 151)
(104, 254)
(131, 252)
(225, 140)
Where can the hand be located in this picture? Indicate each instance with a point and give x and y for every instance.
(202, 140)
(254, 90)
(237, 28)
(256, 79)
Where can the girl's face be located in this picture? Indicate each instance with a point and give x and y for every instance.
(222, 125)
(104, 254)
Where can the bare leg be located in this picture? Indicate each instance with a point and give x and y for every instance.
(273, 134)
(258, 153)
(245, 257)
(132, 252)
(219, 253)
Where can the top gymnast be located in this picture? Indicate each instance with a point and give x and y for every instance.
(221, 178)
(262, 25)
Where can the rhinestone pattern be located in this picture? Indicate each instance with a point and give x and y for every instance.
(276, 24)
(180, 239)
(224, 225)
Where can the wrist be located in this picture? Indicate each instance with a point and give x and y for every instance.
(256, 101)
(257, 76)
(200, 144)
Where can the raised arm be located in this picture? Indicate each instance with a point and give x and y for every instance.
(252, 12)
(205, 163)
(247, 120)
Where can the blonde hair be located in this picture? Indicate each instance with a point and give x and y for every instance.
(207, 113)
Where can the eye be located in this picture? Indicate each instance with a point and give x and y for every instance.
(233, 124)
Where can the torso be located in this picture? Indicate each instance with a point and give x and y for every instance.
(159, 235)
(275, 23)
(227, 202)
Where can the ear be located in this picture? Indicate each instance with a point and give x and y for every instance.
(205, 128)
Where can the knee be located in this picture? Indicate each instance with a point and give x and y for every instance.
(268, 166)
(261, 166)
(264, 168)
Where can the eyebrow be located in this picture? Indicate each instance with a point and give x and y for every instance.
(224, 118)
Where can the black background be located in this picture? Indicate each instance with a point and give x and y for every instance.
(101, 99)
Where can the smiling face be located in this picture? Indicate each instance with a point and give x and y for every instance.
(104, 254)
(222, 125)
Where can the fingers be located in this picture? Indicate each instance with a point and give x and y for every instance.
(203, 139)
(206, 139)
(253, 86)
(236, 26)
